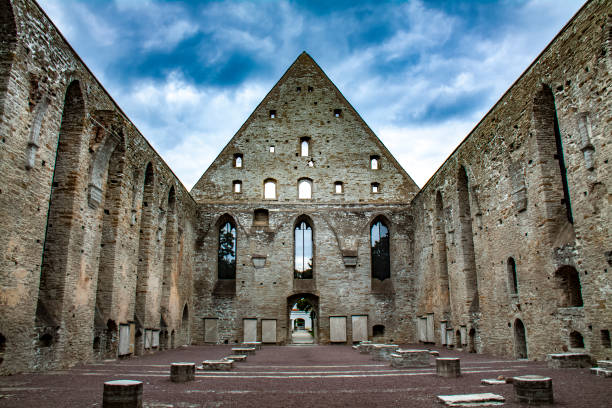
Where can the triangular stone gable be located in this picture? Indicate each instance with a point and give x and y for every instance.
(304, 103)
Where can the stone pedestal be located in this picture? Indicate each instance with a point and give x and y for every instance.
(244, 350)
(122, 394)
(568, 360)
(382, 352)
(410, 358)
(533, 389)
(182, 372)
(217, 365)
(448, 367)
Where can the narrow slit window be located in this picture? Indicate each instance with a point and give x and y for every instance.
(374, 162)
(304, 146)
(375, 187)
(238, 160)
(272, 114)
(237, 186)
(270, 189)
(337, 113)
(338, 187)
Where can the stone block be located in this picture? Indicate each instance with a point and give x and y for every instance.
(382, 352)
(182, 372)
(492, 381)
(236, 357)
(244, 350)
(607, 364)
(472, 400)
(601, 372)
(252, 344)
(533, 389)
(217, 365)
(410, 358)
(122, 394)
(448, 367)
(568, 360)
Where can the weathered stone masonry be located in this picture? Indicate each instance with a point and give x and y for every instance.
(505, 250)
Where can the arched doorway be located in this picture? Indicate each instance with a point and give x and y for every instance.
(302, 318)
(520, 339)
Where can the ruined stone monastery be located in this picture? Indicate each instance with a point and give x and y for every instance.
(506, 250)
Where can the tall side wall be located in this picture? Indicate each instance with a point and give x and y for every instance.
(503, 190)
(72, 182)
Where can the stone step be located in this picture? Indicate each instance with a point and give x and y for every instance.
(256, 344)
(602, 372)
(472, 400)
(607, 364)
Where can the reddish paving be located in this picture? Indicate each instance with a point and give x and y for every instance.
(294, 376)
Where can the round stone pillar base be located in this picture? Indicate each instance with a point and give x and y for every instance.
(533, 389)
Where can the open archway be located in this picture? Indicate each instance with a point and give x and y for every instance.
(302, 318)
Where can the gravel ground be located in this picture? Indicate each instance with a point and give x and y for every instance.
(295, 376)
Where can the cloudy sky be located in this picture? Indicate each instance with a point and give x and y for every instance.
(421, 72)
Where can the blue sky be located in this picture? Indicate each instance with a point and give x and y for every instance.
(421, 73)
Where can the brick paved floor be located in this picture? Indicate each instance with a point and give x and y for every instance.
(294, 376)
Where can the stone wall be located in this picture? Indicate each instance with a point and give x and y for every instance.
(72, 170)
(506, 180)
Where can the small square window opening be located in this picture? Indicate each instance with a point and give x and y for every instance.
(271, 149)
(272, 114)
(237, 186)
(310, 89)
(238, 160)
(338, 188)
(374, 162)
(337, 112)
(298, 89)
(375, 187)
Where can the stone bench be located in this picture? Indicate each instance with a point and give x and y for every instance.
(568, 360)
(365, 348)
(410, 358)
(236, 357)
(122, 394)
(448, 367)
(472, 400)
(382, 352)
(244, 350)
(603, 369)
(533, 389)
(251, 344)
(217, 365)
(182, 372)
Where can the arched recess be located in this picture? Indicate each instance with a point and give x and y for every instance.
(185, 326)
(520, 339)
(170, 255)
(553, 185)
(467, 240)
(512, 278)
(108, 263)
(304, 249)
(568, 283)
(8, 33)
(440, 242)
(380, 249)
(60, 218)
(145, 249)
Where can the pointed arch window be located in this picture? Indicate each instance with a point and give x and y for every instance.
(303, 251)
(227, 251)
(381, 259)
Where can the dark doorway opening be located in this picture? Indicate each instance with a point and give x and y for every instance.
(520, 339)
